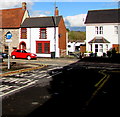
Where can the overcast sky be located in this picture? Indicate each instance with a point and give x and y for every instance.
(73, 11)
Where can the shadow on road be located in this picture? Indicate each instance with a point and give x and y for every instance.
(71, 88)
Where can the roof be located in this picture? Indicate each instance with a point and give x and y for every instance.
(36, 22)
(11, 18)
(103, 16)
(99, 40)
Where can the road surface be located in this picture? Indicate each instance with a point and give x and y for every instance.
(81, 88)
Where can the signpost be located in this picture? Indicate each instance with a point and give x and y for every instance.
(8, 37)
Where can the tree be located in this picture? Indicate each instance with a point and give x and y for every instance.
(76, 35)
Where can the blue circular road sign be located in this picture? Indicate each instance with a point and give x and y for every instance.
(8, 35)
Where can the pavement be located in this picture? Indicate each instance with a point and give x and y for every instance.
(28, 65)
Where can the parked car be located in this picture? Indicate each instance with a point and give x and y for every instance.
(1, 59)
(4, 55)
(21, 53)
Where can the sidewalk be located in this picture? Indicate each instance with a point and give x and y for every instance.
(21, 65)
(17, 67)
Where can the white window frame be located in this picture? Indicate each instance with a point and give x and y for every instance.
(99, 30)
(116, 29)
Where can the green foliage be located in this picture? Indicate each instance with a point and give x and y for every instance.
(76, 35)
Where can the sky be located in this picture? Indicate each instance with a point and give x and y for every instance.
(74, 12)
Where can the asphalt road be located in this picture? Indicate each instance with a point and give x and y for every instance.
(79, 89)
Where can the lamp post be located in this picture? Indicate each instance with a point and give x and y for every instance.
(8, 40)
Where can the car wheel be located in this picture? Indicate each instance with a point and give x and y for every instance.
(13, 57)
(28, 57)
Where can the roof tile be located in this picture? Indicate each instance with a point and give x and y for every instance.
(103, 16)
(11, 18)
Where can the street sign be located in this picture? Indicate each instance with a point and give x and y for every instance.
(8, 41)
(8, 35)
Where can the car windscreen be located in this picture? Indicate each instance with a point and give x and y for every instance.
(23, 51)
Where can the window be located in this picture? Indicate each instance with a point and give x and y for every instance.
(106, 47)
(18, 50)
(101, 48)
(6, 49)
(96, 48)
(43, 47)
(46, 48)
(116, 29)
(39, 48)
(43, 33)
(96, 30)
(91, 47)
(23, 33)
(99, 29)
(69, 46)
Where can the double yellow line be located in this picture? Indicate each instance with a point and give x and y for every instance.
(99, 85)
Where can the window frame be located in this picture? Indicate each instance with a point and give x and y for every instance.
(23, 33)
(98, 30)
(43, 33)
(96, 48)
(116, 29)
(43, 47)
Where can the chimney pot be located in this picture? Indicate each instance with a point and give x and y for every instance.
(24, 5)
(56, 11)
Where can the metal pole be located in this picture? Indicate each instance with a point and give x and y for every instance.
(8, 56)
(55, 31)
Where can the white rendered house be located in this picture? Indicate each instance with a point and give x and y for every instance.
(44, 36)
(102, 31)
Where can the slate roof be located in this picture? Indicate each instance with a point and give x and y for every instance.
(11, 18)
(37, 22)
(99, 40)
(103, 16)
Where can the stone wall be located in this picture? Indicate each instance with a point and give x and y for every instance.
(15, 39)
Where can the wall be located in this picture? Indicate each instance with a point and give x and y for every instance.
(62, 38)
(15, 38)
(33, 36)
(108, 34)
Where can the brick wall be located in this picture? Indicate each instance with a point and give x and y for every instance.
(62, 37)
(117, 47)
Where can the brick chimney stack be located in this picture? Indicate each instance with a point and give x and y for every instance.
(24, 5)
(56, 11)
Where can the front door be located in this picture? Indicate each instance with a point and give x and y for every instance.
(22, 45)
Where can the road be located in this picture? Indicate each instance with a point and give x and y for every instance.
(78, 88)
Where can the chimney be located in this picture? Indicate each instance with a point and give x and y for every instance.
(24, 5)
(56, 11)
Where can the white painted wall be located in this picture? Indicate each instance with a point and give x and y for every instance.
(73, 45)
(108, 34)
(33, 36)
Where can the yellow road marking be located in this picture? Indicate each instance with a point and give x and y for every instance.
(22, 70)
(101, 72)
(100, 84)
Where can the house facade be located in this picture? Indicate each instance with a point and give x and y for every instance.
(44, 36)
(102, 31)
(11, 20)
(74, 46)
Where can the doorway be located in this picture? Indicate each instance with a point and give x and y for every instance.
(22, 45)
